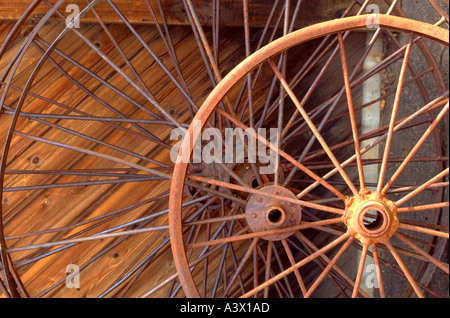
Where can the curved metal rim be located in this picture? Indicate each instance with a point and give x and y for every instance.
(300, 36)
(12, 68)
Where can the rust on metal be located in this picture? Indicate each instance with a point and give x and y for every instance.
(371, 218)
(263, 213)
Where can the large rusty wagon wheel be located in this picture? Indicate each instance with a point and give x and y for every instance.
(285, 230)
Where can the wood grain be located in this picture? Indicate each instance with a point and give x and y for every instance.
(174, 11)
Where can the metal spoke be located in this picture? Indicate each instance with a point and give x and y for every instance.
(394, 113)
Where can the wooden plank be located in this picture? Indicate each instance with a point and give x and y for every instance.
(231, 12)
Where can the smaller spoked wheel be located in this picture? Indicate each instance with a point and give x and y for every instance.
(306, 191)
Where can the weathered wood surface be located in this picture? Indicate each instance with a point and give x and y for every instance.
(33, 211)
(174, 11)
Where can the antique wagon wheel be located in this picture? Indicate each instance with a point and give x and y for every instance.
(85, 166)
(259, 242)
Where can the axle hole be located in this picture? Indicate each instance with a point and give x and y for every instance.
(372, 220)
(275, 216)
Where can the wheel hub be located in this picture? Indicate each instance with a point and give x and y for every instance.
(371, 218)
(266, 213)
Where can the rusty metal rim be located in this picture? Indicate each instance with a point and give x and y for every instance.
(422, 29)
(13, 286)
